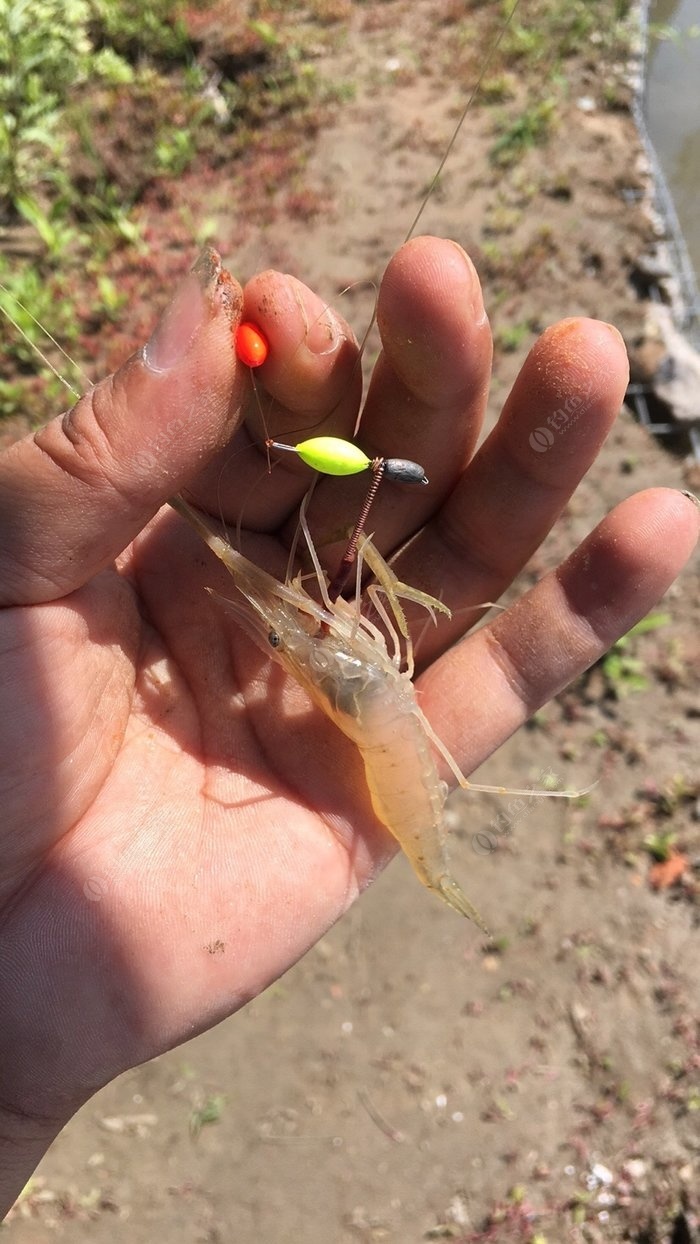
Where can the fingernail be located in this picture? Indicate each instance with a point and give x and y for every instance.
(207, 268)
(691, 497)
(323, 333)
(476, 297)
(178, 325)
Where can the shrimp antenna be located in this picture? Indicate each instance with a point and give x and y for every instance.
(396, 469)
(455, 133)
(445, 157)
(37, 349)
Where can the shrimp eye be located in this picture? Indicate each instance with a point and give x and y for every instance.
(274, 639)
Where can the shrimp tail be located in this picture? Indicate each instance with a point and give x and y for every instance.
(455, 897)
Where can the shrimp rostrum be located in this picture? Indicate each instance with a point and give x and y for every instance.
(363, 684)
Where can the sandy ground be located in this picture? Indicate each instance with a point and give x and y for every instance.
(408, 1081)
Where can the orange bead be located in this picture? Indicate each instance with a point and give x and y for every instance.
(251, 346)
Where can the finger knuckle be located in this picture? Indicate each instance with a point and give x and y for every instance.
(81, 442)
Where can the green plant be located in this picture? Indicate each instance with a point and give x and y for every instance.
(209, 1112)
(24, 287)
(40, 377)
(174, 151)
(554, 29)
(55, 233)
(43, 50)
(136, 31)
(46, 53)
(551, 31)
(622, 671)
(511, 336)
(677, 792)
(497, 89)
(664, 32)
(660, 845)
(530, 128)
(49, 51)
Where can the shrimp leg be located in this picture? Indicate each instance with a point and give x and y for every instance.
(492, 790)
(394, 588)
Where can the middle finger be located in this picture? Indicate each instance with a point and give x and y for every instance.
(427, 396)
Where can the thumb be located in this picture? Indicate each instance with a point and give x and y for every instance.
(74, 494)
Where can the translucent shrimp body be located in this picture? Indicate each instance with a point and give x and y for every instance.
(341, 659)
(408, 796)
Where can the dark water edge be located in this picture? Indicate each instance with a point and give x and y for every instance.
(673, 110)
(667, 112)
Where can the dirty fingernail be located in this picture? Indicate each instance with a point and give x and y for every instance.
(177, 326)
(323, 333)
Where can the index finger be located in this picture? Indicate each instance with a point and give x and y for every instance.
(309, 385)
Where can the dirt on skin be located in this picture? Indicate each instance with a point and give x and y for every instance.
(408, 1081)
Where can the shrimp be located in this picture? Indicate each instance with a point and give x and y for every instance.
(341, 660)
(356, 673)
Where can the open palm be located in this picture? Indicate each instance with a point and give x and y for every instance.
(179, 823)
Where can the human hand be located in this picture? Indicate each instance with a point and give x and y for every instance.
(180, 825)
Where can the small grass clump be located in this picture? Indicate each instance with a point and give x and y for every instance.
(530, 128)
(114, 121)
(624, 672)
